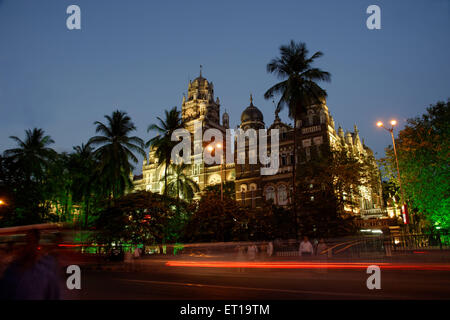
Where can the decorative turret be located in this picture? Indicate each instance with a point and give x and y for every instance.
(200, 103)
(341, 133)
(331, 122)
(356, 139)
(226, 120)
(348, 138)
(200, 89)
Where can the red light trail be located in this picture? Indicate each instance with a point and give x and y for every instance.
(306, 265)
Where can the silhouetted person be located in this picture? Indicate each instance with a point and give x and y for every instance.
(270, 249)
(306, 248)
(31, 276)
(252, 250)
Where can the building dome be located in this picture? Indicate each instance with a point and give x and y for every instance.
(252, 113)
(200, 80)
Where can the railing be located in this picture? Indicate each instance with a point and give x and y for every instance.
(387, 245)
(311, 129)
(373, 246)
(374, 211)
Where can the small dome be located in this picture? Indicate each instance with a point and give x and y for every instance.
(200, 80)
(252, 113)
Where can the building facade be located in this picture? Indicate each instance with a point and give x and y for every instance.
(315, 130)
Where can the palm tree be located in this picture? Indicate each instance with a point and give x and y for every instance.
(115, 151)
(33, 154)
(181, 185)
(83, 170)
(162, 143)
(298, 88)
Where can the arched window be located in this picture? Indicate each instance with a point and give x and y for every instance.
(282, 195)
(243, 191)
(322, 117)
(270, 194)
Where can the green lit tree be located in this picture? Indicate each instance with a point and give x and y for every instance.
(85, 180)
(180, 185)
(423, 155)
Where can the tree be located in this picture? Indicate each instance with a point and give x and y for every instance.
(180, 185)
(298, 88)
(57, 186)
(23, 179)
(25, 200)
(423, 156)
(229, 189)
(214, 219)
(162, 143)
(115, 151)
(139, 218)
(85, 181)
(389, 182)
(328, 188)
(270, 222)
(33, 154)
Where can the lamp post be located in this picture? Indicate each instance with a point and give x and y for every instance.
(391, 131)
(210, 149)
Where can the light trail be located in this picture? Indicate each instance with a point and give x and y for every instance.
(306, 265)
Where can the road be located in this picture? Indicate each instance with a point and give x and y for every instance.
(157, 279)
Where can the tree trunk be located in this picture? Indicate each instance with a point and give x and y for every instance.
(86, 212)
(165, 177)
(294, 167)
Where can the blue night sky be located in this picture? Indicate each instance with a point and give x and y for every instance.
(138, 56)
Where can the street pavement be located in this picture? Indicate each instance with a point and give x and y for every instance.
(187, 278)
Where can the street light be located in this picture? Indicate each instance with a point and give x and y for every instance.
(2, 203)
(393, 123)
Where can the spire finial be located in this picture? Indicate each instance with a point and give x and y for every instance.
(277, 110)
(201, 67)
(251, 99)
